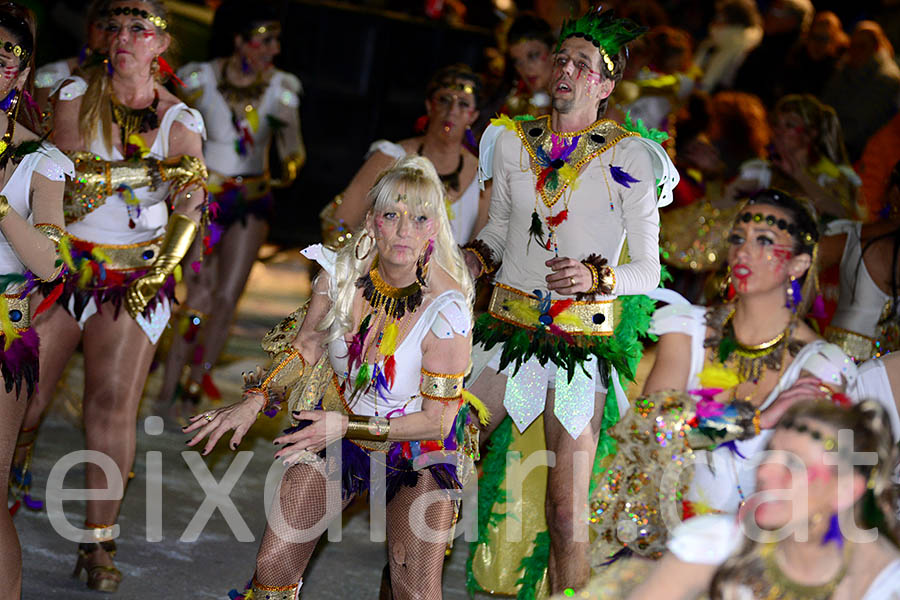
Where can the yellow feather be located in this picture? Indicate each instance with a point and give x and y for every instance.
(505, 121)
(252, 118)
(84, 277)
(718, 376)
(66, 253)
(570, 319)
(177, 273)
(523, 311)
(136, 140)
(389, 339)
(484, 415)
(9, 331)
(99, 254)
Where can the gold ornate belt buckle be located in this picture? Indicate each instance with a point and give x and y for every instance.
(515, 307)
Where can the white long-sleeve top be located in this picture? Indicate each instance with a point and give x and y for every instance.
(601, 214)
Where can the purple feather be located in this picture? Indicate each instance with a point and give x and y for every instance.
(470, 139)
(560, 150)
(622, 177)
(834, 532)
(818, 307)
(708, 408)
(733, 447)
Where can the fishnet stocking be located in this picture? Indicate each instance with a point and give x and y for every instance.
(416, 541)
(292, 536)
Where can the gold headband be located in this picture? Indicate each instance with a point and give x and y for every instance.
(463, 87)
(137, 12)
(263, 29)
(441, 387)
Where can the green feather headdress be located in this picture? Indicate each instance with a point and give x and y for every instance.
(605, 31)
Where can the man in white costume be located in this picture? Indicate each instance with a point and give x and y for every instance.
(569, 189)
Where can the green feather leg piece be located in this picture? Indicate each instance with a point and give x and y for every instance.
(536, 231)
(533, 567)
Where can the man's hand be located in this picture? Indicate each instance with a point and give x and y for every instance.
(569, 277)
(472, 263)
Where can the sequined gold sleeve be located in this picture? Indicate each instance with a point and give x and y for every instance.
(97, 179)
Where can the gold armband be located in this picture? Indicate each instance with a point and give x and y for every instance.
(4, 207)
(290, 166)
(441, 387)
(373, 429)
(55, 234)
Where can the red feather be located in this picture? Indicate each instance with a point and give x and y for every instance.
(430, 446)
(49, 300)
(542, 178)
(560, 306)
(209, 388)
(166, 69)
(390, 370)
(558, 219)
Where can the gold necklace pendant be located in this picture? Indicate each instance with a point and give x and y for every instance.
(782, 586)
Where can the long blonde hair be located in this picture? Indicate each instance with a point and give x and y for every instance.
(95, 105)
(416, 179)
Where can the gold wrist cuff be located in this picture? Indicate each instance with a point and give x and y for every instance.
(374, 429)
(54, 232)
(441, 387)
(595, 278)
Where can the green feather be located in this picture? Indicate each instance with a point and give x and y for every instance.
(536, 231)
(524, 118)
(533, 567)
(10, 279)
(275, 123)
(639, 128)
(362, 376)
(726, 347)
(603, 29)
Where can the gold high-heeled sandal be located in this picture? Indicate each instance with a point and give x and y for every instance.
(284, 592)
(102, 578)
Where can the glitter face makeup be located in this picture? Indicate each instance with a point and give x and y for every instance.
(761, 250)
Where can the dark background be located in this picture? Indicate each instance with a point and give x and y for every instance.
(363, 70)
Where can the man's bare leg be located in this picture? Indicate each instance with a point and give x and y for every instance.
(567, 491)
(490, 388)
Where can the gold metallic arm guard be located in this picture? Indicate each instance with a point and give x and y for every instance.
(96, 179)
(290, 166)
(371, 429)
(56, 234)
(440, 386)
(180, 232)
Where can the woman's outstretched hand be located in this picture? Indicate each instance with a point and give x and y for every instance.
(238, 417)
(325, 427)
(805, 388)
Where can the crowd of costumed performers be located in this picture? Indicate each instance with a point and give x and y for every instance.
(451, 101)
(113, 192)
(569, 189)
(137, 151)
(248, 105)
(31, 224)
(374, 364)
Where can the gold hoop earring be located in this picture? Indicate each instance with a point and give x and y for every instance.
(365, 234)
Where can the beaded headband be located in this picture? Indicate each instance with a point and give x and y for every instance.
(827, 441)
(782, 224)
(136, 12)
(605, 31)
(462, 87)
(15, 49)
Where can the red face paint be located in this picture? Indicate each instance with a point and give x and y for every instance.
(818, 472)
(742, 273)
(10, 72)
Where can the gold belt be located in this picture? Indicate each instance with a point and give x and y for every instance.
(125, 257)
(580, 318)
(857, 346)
(19, 310)
(255, 187)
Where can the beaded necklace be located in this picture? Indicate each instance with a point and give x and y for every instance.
(390, 315)
(240, 101)
(134, 121)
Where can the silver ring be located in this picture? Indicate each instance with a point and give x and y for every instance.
(208, 417)
(572, 281)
